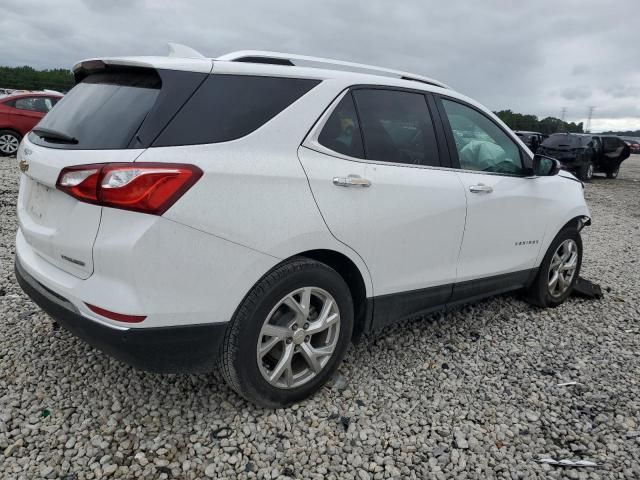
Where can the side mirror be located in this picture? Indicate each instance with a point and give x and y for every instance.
(545, 166)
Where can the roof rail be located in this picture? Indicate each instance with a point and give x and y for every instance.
(258, 56)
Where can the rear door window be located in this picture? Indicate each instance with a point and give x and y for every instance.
(227, 107)
(105, 109)
(341, 133)
(396, 127)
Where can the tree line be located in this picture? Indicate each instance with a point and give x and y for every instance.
(548, 125)
(28, 78)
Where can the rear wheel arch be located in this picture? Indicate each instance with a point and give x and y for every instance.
(353, 277)
(12, 130)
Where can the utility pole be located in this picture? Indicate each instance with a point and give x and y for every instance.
(563, 113)
(589, 117)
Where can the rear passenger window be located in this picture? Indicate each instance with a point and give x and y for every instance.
(227, 107)
(396, 127)
(341, 133)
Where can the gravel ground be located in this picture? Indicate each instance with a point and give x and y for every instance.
(470, 394)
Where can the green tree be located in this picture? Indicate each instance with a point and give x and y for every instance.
(28, 78)
(548, 125)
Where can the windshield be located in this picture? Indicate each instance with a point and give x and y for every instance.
(105, 109)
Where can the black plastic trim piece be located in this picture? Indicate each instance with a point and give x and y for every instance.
(385, 310)
(267, 60)
(183, 349)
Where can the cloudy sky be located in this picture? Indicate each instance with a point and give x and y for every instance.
(532, 57)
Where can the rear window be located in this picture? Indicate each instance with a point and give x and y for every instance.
(565, 141)
(227, 107)
(105, 109)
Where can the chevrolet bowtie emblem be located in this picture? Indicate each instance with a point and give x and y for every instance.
(23, 165)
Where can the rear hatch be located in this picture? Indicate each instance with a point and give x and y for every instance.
(59, 228)
(562, 147)
(111, 115)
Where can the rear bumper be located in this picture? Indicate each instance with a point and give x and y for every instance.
(187, 348)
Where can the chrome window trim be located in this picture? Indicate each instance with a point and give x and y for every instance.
(311, 142)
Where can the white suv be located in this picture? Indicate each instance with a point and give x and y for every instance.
(259, 211)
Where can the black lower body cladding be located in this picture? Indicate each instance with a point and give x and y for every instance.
(184, 349)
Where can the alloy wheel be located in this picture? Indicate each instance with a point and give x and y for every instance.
(9, 144)
(298, 337)
(562, 269)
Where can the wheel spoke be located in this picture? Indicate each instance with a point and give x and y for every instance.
(280, 333)
(555, 261)
(283, 366)
(268, 345)
(301, 308)
(562, 284)
(554, 281)
(571, 263)
(320, 326)
(326, 319)
(313, 356)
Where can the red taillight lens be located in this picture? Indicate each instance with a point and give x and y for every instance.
(119, 317)
(142, 187)
(80, 182)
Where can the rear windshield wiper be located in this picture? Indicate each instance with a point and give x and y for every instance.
(54, 135)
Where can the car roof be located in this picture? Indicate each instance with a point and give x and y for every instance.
(267, 63)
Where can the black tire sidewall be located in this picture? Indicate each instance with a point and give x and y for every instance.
(245, 364)
(542, 287)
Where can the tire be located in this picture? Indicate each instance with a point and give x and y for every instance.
(585, 173)
(9, 142)
(613, 172)
(539, 292)
(245, 335)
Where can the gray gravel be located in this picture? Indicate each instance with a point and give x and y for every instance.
(470, 394)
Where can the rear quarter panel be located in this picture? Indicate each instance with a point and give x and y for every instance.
(254, 191)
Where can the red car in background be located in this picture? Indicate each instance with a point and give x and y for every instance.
(19, 113)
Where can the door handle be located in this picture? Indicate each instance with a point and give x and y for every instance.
(351, 181)
(480, 188)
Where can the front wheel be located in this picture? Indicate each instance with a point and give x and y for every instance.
(559, 270)
(289, 334)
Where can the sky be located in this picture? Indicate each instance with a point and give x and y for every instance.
(533, 57)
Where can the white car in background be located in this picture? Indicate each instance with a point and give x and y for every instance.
(260, 210)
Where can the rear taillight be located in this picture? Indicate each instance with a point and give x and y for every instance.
(141, 187)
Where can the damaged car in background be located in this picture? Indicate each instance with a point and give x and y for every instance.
(587, 154)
